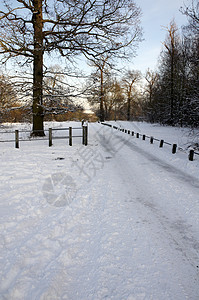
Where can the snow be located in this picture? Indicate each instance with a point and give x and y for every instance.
(117, 219)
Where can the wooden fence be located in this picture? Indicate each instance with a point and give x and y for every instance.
(152, 139)
(50, 136)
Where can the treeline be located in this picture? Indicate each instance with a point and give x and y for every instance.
(169, 95)
(34, 32)
(58, 103)
(172, 95)
(114, 97)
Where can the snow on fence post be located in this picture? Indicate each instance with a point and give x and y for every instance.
(151, 140)
(70, 136)
(16, 138)
(50, 137)
(161, 143)
(191, 155)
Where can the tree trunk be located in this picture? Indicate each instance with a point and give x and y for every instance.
(172, 87)
(38, 116)
(101, 96)
(172, 54)
(129, 109)
(129, 102)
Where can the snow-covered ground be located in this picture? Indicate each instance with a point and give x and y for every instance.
(117, 219)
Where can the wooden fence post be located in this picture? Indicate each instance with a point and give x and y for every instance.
(151, 140)
(132, 133)
(85, 135)
(50, 137)
(143, 137)
(16, 138)
(137, 135)
(174, 148)
(161, 143)
(191, 155)
(70, 136)
(128, 131)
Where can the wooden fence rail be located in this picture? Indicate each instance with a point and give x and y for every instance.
(50, 138)
(152, 139)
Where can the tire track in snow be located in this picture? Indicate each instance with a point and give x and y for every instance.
(124, 165)
(173, 171)
(181, 237)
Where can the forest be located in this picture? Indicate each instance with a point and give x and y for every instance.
(99, 33)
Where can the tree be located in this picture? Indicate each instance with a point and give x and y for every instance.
(118, 100)
(55, 91)
(192, 13)
(191, 45)
(130, 78)
(69, 28)
(59, 94)
(173, 98)
(7, 96)
(168, 91)
(112, 91)
(102, 70)
(170, 64)
(151, 79)
(98, 83)
(7, 93)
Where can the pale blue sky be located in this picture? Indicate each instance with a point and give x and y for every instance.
(156, 14)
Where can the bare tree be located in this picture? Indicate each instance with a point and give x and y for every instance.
(118, 99)
(90, 27)
(130, 78)
(192, 13)
(151, 79)
(58, 94)
(8, 98)
(174, 98)
(171, 44)
(113, 95)
(7, 93)
(191, 51)
(102, 70)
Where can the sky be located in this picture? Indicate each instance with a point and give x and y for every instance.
(156, 14)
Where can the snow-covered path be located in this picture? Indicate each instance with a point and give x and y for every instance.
(107, 221)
